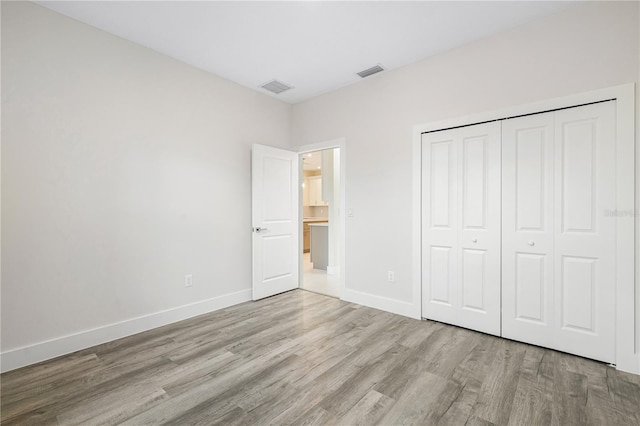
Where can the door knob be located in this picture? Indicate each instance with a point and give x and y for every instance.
(531, 243)
(474, 240)
(258, 229)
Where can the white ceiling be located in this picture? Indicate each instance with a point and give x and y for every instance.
(314, 46)
(312, 161)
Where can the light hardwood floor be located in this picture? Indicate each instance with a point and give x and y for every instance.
(304, 358)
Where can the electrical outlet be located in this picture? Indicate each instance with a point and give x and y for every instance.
(391, 276)
(188, 280)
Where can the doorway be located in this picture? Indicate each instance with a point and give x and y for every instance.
(320, 212)
(277, 220)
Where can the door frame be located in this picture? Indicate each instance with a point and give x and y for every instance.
(321, 146)
(627, 289)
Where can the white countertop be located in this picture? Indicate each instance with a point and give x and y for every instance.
(319, 224)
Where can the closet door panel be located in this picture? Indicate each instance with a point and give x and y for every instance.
(474, 181)
(440, 275)
(585, 242)
(578, 283)
(441, 168)
(441, 266)
(474, 280)
(530, 158)
(530, 290)
(527, 219)
(577, 174)
(558, 253)
(479, 236)
(461, 227)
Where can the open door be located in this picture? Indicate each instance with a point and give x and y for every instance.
(275, 220)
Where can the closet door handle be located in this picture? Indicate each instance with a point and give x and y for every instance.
(474, 240)
(531, 243)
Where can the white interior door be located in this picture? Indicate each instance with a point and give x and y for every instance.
(461, 227)
(275, 220)
(559, 246)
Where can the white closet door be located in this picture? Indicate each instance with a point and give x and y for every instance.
(527, 228)
(440, 288)
(461, 227)
(559, 246)
(585, 242)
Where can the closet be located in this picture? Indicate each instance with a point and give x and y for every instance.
(515, 239)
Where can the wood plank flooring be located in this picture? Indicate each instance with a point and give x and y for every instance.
(303, 358)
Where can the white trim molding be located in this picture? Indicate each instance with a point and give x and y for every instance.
(627, 290)
(387, 304)
(333, 270)
(27, 355)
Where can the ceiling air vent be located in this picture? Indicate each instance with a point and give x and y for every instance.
(370, 71)
(276, 86)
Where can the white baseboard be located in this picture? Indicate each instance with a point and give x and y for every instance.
(333, 270)
(27, 355)
(383, 303)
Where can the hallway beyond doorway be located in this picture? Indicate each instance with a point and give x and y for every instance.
(318, 281)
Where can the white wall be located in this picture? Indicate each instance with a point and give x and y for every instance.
(587, 47)
(122, 171)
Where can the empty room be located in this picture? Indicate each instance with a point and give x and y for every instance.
(320, 212)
